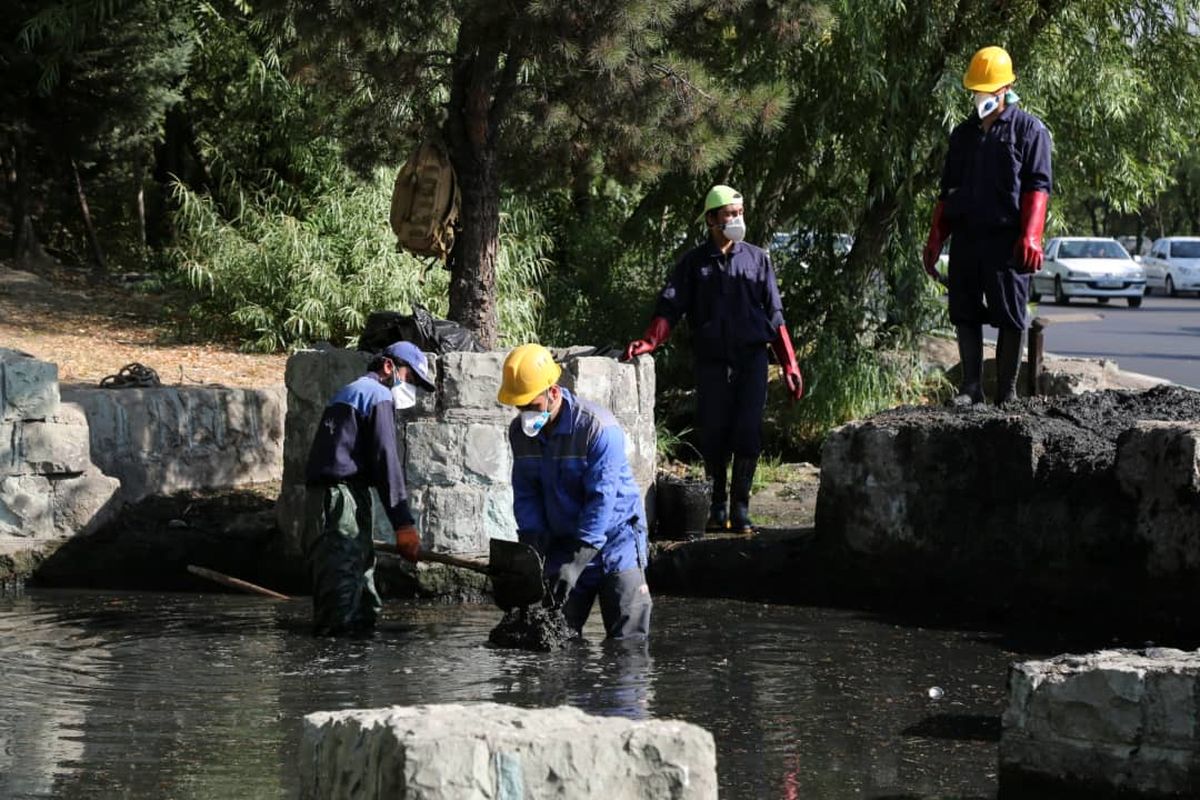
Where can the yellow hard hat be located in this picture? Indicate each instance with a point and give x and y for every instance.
(990, 69)
(718, 197)
(529, 370)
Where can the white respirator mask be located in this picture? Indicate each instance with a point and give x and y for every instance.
(735, 229)
(404, 395)
(985, 103)
(532, 422)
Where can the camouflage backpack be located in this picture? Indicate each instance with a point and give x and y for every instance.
(425, 202)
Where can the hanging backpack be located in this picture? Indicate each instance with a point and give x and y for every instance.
(425, 202)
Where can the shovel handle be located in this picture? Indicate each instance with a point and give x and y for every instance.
(440, 558)
(234, 583)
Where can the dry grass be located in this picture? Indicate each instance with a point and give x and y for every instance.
(93, 331)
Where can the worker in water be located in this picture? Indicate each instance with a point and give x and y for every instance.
(574, 497)
(726, 287)
(353, 467)
(992, 203)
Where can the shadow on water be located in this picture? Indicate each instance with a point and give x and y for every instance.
(170, 695)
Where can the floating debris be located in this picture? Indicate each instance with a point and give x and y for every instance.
(533, 628)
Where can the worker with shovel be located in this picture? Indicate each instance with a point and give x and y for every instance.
(353, 467)
(574, 497)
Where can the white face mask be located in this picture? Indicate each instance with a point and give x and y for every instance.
(532, 422)
(985, 103)
(735, 229)
(404, 395)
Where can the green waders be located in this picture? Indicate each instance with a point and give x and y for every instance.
(341, 559)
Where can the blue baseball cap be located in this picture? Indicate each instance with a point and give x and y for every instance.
(408, 353)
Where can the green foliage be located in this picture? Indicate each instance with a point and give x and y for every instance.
(279, 279)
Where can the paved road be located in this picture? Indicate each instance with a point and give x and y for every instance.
(1162, 338)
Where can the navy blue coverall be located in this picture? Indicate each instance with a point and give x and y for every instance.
(982, 182)
(732, 304)
(353, 466)
(572, 485)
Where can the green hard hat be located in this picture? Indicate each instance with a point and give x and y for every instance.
(718, 196)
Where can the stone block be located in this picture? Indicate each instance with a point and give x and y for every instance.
(25, 507)
(28, 387)
(9, 447)
(451, 518)
(498, 519)
(471, 381)
(487, 457)
(487, 751)
(1158, 465)
(1113, 722)
(434, 453)
(82, 503)
(53, 448)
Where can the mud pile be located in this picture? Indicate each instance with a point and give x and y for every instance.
(532, 628)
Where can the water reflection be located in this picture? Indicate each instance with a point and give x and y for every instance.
(145, 695)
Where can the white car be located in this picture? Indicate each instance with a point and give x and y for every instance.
(1079, 266)
(1173, 265)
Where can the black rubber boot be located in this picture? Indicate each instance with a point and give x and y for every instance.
(739, 493)
(718, 517)
(970, 356)
(1008, 365)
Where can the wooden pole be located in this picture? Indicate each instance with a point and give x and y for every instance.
(1036, 351)
(440, 558)
(235, 583)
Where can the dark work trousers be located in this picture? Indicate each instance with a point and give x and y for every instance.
(624, 602)
(730, 397)
(341, 558)
(986, 286)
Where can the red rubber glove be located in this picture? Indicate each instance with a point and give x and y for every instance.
(939, 232)
(656, 333)
(408, 542)
(786, 356)
(1028, 249)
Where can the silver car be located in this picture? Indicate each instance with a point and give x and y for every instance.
(1081, 266)
(1173, 265)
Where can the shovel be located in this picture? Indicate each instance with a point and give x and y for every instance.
(515, 570)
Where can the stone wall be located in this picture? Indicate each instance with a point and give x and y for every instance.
(485, 751)
(455, 441)
(1069, 503)
(49, 487)
(162, 440)
(1108, 724)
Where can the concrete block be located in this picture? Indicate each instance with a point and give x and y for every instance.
(487, 751)
(471, 381)
(1115, 721)
(82, 503)
(25, 508)
(28, 387)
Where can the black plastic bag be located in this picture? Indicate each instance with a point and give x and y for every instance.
(421, 328)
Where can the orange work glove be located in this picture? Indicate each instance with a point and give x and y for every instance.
(408, 542)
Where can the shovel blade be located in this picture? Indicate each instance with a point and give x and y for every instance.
(516, 571)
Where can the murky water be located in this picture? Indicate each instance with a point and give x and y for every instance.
(144, 695)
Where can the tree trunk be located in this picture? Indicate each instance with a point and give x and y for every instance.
(99, 266)
(24, 241)
(139, 200)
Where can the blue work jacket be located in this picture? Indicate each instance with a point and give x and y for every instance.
(987, 172)
(731, 299)
(356, 442)
(572, 484)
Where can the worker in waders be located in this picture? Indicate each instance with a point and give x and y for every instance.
(726, 288)
(574, 497)
(992, 206)
(353, 468)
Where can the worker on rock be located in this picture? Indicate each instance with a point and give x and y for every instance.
(574, 497)
(994, 191)
(726, 288)
(353, 467)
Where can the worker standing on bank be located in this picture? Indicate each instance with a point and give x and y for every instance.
(992, 205)
(574, 497)
(353, 467)
(726, 288)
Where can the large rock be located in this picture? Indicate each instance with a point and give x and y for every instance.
(487, 751)
(28, 387)
(1158, 464)
(1113, 723)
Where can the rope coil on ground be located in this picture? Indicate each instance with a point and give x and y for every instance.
(132, 375)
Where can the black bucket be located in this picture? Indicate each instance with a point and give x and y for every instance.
(681, 506)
